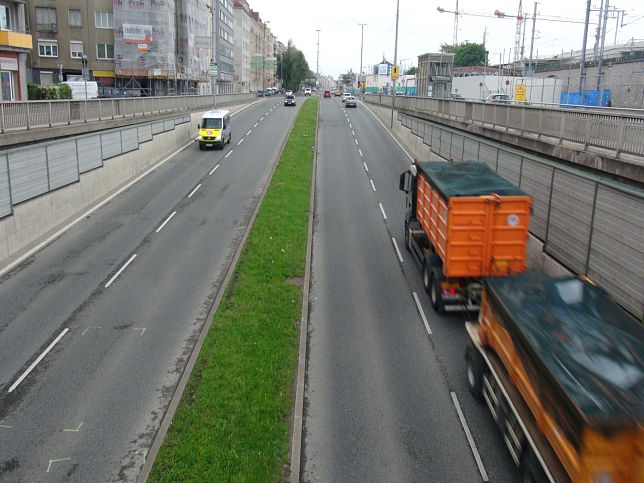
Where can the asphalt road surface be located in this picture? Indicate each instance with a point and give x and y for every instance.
(108, 313)
(384, 386)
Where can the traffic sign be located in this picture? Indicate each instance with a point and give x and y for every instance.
(213, 69)
(394, 72)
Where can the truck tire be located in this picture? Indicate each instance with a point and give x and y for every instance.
(475, 367)
(531, 471)
(435, 293)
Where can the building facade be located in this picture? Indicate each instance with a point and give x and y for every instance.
(15, 46)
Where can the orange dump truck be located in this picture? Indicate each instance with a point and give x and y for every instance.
(561, 368)
(463, 222)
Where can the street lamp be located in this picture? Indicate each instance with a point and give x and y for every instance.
(317, 69)
(264, 61)
(361, 43)
(393, 82)
(213, 56)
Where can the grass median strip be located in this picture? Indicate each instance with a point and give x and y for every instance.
(233, 421)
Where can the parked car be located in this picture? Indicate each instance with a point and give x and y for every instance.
(289, 100)
(350, 101)
(498, 98)
(327, 94)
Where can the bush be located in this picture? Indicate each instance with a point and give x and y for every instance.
(36, 92)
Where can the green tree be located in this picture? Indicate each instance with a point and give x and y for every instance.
(466, 54)
(348, 78)
(293, 67)
(411, 71)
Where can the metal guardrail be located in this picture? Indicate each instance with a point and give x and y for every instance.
(17, 116)
(615, 131)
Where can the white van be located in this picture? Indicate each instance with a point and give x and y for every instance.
(214, 129)
(78, 89)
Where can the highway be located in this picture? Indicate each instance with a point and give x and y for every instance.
(96, 328)
(386, 396)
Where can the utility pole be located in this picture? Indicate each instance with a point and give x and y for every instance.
(534, 22)
(582, 65)
(601, 50)
(361, 44)
(393, 82)
(213, 55)
(264, 61)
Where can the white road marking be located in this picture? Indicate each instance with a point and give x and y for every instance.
(397, 250)
(120, 271)
(365, 167)
(228, 153)
(194, 190)
(249, 131)
(470, 440)
(372, 185)
(266, 114)
(354, 134)
(255, 125)
(215, 168)
(261, 118)
(384, 215)
(350, 126)
(422, 313)
(240, 141)
(356, 141)
(166, 221)
(360, 151)
(40, 358)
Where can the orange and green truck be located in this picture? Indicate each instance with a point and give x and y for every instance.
(463, 222)
(561, 368)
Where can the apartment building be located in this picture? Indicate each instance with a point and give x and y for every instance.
(15, 46)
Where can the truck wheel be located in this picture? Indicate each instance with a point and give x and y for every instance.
(475, 367)
(426, 278)
(435, 294)
(531, 471)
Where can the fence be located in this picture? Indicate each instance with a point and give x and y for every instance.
(28, 172)
(17, 116)
(612, 130)
(593, 226)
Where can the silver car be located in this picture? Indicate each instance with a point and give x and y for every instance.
(350, 102)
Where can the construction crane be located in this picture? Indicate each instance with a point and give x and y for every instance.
(456, 13)
(517, 35)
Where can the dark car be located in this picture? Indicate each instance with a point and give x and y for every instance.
(289, 100)
(327, 94)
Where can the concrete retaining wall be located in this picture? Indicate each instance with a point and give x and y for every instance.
(37, 219)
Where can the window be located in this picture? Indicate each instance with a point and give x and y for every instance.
(5, 17)
(104, 51)
(75, 18)
(76, 49)
(47, 48)
(103, 20)
(45, 18)
(46, 78)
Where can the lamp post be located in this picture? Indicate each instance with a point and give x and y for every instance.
(264, 60)
(213, 56)
(317, 68)
(361, 43)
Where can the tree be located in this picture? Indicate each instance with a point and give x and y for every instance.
(466, 54)
(411, 71)
(348, 78)
(293, 67)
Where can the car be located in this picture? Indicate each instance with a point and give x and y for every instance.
(498, 98)
(289, 100)
(456, 95)
(307, 91)
(350, 101)
(327, 94)
(260, 93)
(337, 94)
(345, 95)
(289, 92)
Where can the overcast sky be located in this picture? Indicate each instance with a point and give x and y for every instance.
(422, 29)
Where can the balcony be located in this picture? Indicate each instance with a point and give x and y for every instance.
(15, 41)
